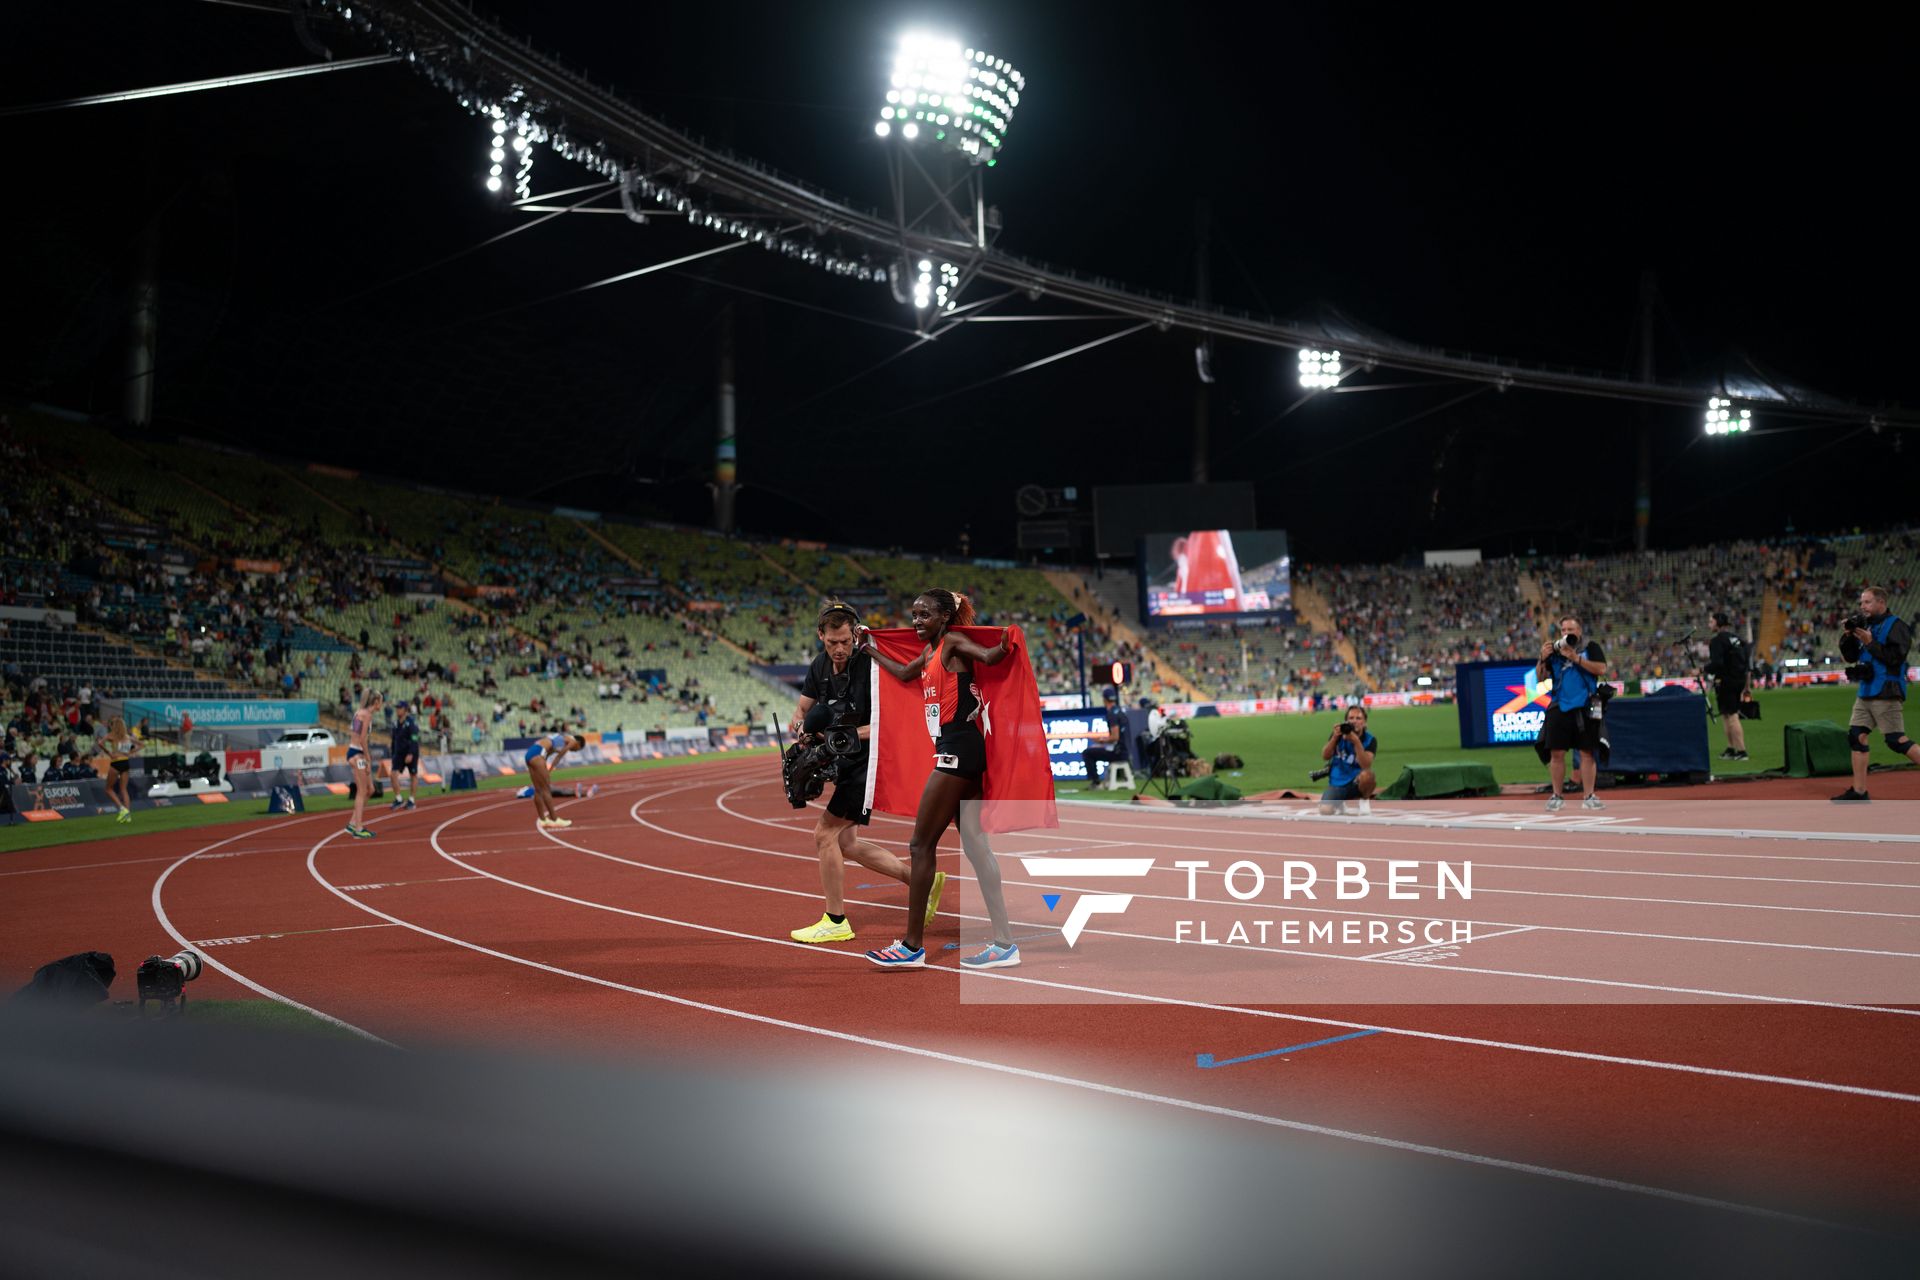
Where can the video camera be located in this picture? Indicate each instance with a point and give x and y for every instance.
(829, 744)
(1859, 672)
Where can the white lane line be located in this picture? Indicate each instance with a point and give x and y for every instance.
(288, 933)
(1335, 911)
(1440, 1037)
(1610, 983)
(1431, 946)
(160, 914)
(1164, 824)
(1073, 1082)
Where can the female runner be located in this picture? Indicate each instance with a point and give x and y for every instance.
(945, 671)
(119, 747)
(360, 762)
(540, 758)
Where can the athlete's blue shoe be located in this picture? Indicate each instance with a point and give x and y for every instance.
(994, 957)
(900, 956)
(524, 793)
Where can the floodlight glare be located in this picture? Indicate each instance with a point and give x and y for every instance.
(1724, 420)
(493, 184)
(882, 128)
(1319, 368)
(956, 84)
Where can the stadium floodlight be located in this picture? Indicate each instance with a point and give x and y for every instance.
(1724, 420)
(964, 96)
(1319, 368)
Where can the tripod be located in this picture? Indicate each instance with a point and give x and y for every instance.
(1165, 773)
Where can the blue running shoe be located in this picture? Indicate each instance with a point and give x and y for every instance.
(524, 793)
(994, 957)
(900, 956)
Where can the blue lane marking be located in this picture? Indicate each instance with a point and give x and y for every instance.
(1025, 937)
(1206, 1060)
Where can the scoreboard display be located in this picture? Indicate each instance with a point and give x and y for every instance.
(1071, 732)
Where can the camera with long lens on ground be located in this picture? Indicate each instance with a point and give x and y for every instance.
(829, 745)
(163, 979)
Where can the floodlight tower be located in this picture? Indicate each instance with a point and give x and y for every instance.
(945, 118)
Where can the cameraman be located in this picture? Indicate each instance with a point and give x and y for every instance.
(1575, 666)
(1350, 750)
(1875, 643)
(842, 678)
(1728, 669)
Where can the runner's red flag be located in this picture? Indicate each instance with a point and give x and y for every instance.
(1018, 769)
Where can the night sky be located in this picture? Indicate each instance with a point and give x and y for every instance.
(1496, 187)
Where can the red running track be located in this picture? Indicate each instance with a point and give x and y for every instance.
(659, 922)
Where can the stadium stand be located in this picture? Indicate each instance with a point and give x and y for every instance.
(196, 570)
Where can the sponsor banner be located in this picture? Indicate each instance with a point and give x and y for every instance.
(1689, 683)
(491, 591)
(80, 799)
(1401, 698)
(705, 606)
(258, 566)
(1830, 675)
(242, 761)
(209, 713)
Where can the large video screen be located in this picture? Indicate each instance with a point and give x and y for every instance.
(1500, 703)
(1215, 573)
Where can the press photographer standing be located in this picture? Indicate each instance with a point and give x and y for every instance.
(1728, 669)
(1875, 642)
(841, 678)
(1575, 666)
(1349, 752)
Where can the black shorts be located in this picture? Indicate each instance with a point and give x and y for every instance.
(961, 752)
(407, 764)
(1564, 734)
(847, 801)
(122, 766)
(1727, 697)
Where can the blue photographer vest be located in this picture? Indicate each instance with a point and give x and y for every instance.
(1885, 680)
(1572, 686)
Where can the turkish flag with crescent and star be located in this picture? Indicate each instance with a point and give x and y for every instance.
(1019, 782)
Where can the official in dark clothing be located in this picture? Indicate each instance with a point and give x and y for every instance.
(405, 758)
(1877, 658)
(1728, 669)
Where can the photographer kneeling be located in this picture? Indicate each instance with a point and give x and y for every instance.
(1349, 751)
(1573, 717)
(1875, 641)
(838, 692)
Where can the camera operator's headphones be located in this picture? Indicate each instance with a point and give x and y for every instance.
(837, 606)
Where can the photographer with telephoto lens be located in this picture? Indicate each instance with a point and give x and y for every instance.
(1875, 642)
(836, 700)
(1575, 665)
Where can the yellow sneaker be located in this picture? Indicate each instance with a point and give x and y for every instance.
(933, 895)
(825, 931)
